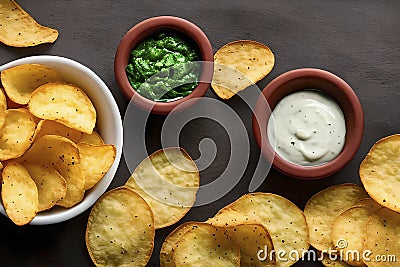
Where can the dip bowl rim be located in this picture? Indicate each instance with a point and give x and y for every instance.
(140, 32)
(334, 86)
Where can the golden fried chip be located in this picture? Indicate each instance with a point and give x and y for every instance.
(348, 233)
(19, 29)
(324, 207)
(240, 64)
(284, 221)
(65, 103)
(254, 241)
(380, 172)
(20, 81)
(206, 245)
(50, 184)
(3, 107)
(48, 127)
(120, 230)
(92, 139)
(229, 217)
(19, 194)
(383, 238)
(169, 244)
(243, 228)
(95, 162)
(168, 180)
(62, 154)
(16, 134)
(12, 105)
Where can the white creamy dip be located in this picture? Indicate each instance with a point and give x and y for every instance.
(309, 128)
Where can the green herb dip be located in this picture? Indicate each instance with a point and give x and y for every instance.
(163, 67)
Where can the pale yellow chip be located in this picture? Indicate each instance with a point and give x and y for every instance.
(380, 172)
(62, 154)
(348, 233)
(168, 180)
(254, 241)
(65, 103)
(243, 227)
(229, 217)
(17, 133)
(19, 194)
(383, 239)
(3, 108)
(48, 127)
(169, 244)
(50, 184)
(19, 29)
(284, 221)
(20, 81)
(92, 139)
(120, 230)
(96, 160)
(206, 245)
(324, 207)
(240, 64)
(251, 237)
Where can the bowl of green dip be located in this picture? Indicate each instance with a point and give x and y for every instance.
(162, 62)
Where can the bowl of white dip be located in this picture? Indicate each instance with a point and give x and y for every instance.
(309, 123)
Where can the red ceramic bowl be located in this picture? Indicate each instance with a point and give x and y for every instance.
(139, 33)
(324, 81)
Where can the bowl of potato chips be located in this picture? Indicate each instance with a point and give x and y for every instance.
(60, 139)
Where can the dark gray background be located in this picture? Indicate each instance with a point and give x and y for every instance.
(357, 40)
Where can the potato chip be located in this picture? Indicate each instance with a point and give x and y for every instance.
(50, 184)
(240, 64)
(255, 244)
(383, 238)
(12, 105)
(242, 227)
(62, 154)
(20, 81)
(348, 231)
(168, 180)
(16, 134)
(206, 245)
(95, 162)
(92, 139)
(324, 207)
(19, 194)
(120, 230)
(48, 127)
(380, 172)
(3, 108)
(65, 103)
(19, 29)
(229, 217)
(169, 244)
(285, 222)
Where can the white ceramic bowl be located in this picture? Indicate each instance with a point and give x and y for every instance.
(109, 125)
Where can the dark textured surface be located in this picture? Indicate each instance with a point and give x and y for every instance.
(357, 40)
